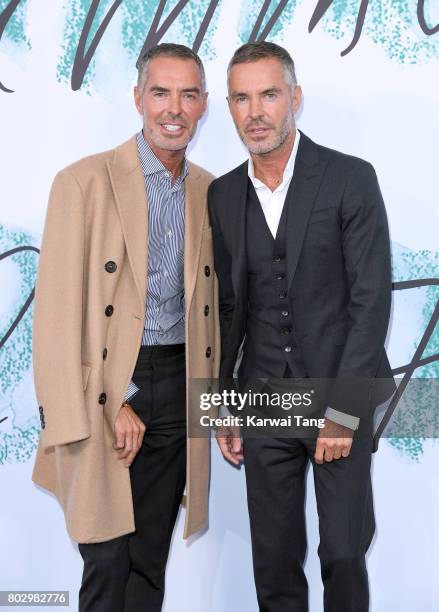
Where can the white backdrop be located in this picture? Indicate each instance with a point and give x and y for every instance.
(378, 102)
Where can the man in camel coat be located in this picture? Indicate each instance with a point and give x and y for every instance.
(125, 314)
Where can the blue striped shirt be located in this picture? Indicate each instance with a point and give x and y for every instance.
(164, 317)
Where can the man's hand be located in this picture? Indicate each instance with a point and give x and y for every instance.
(334, 441)
(230, 443)
(129, 430)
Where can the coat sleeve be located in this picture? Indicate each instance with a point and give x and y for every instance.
(57, 322)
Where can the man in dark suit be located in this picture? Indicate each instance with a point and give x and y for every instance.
(302, 254)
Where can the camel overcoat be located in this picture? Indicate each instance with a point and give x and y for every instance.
(94, 256)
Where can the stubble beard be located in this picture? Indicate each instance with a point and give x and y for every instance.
(261, 148)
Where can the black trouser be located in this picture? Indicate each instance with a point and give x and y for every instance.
(275, 475)
(128, 572)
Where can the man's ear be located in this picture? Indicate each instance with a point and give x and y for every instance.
(297, 98)
(204, 104)
(138, 100)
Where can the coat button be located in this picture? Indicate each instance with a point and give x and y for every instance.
(280, 277)
(102, 398)
(109, 310)
(111, 266)
(206, 310)
(104, 353)
(286, 330)
(207, 270)
(285, 313)
(287, 349)
(276, 259)
(282, 295)
(208, 351)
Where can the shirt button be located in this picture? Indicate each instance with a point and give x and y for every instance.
(109, 310)
(102, 398)
(208, 351)
(207, 270)
(104, 353)
(206, 310)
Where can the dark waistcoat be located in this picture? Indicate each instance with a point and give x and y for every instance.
(270, 342)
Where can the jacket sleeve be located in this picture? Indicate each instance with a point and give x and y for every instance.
(223, 266)
(57, 322)
(366, 250)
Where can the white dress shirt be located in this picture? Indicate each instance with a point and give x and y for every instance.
(272, 203)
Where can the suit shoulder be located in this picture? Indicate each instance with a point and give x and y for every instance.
(224, 181)
(344, 162)
(206, 176)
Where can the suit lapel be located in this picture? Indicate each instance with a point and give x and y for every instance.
(194, 214)
(302, 192)
(128, 184)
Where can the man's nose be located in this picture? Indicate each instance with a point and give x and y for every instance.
(174, 107)
(255, 110)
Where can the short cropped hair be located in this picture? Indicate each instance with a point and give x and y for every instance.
(252, 52)
(168, 50)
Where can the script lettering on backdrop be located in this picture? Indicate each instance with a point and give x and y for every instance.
(156, 32)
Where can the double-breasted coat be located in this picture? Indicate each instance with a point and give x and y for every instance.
(89, 314)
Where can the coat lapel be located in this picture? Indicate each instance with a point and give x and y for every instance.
(303, 190)
(128, 185)
(194, 215)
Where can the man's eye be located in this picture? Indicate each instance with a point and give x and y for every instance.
(240, 99)
(159, 94)
(270, 95)
(189, 96)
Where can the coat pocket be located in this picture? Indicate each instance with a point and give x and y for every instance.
(85, 374)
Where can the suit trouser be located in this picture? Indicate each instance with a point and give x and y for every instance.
(128, 573)
(275, 476)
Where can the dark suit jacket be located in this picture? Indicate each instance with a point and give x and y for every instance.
(338, 268)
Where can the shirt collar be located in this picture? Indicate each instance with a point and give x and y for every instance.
(288, 172)
(151, 163)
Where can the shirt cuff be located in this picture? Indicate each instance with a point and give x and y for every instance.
(341, 418)
(131, 391)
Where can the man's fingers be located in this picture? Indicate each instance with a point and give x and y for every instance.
(129, 431)
(128, 445)
(226, 442)
(346, 447)
(236, 442)
(227, 454)
(141, 434)
(328, 449)
(119, 438)
(337, 452)
(320, 447)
